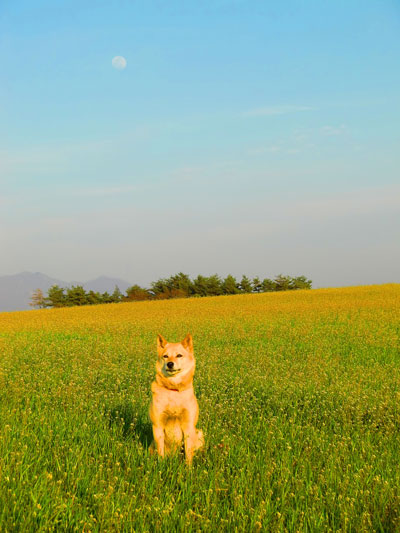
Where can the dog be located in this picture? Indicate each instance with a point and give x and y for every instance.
(174, 410)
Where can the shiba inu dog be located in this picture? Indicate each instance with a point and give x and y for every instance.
(174, 410)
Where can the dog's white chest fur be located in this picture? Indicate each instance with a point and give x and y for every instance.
(174, 406)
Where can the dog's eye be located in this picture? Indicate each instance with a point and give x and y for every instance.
(165, 356)
(179, 355)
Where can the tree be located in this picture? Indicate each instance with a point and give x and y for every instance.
(230, 285)
(268, 285)
(180, 285)
(282, 283)
(245, 284)
(200, 286)
(55, 297)
(211, 286)
(301, 282)
(160, 289)
(256, 284)
(93, 298)
(176, 286)
(106, 298)
(137, 293)
(214, 285)
(37, 299)
(76, 295)
(116, 295)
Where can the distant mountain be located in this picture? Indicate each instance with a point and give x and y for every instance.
(16, 290)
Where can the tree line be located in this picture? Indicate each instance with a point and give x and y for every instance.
(177, 286)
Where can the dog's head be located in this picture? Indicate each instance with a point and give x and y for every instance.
(175, 358)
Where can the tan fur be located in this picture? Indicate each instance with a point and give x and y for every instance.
(174, 413)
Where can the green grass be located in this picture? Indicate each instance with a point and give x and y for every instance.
(299, 399)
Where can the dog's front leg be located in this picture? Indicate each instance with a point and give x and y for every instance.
(159, 439)
(190, 439)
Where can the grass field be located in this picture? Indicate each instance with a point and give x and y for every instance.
(299, 396)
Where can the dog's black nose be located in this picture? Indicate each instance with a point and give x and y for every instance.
(170, 364)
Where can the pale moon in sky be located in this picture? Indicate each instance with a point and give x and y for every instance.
(119, 62)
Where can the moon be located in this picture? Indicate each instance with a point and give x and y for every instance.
(119, 62)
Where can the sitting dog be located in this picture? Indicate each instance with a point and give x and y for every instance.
(174, 410)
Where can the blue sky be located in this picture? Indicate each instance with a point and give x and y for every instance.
(242, 137)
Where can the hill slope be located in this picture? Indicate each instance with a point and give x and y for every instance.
(299, 403)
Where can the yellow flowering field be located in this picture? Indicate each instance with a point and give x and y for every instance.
(299, 396)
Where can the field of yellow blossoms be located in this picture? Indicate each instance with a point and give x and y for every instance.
(299, 396)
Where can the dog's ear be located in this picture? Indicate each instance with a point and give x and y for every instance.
(161, 343)
(187, 342)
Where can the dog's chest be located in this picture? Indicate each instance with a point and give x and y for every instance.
(174, 407)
